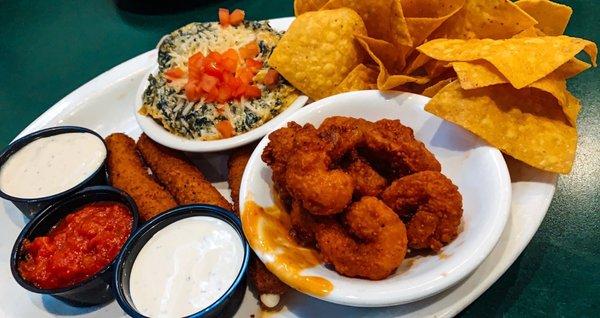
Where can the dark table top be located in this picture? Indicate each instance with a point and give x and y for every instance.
(49, 48)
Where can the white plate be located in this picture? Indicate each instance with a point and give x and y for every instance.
(159, 134)
(477, 169)
(104, 104)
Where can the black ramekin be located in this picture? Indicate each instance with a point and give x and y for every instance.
(29, 206)
(96, 289)
(231, 299)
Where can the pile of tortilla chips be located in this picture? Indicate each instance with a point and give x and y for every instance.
(495, 67)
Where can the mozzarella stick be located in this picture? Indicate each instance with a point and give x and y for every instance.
(127, 172)
(181, 178)
(269, 288)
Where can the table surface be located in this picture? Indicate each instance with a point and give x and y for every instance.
(49, 48)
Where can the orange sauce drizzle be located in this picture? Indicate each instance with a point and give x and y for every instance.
(267, 231)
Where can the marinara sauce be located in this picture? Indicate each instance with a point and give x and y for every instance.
(79, 246)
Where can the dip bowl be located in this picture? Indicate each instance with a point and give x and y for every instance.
(95, 289)
(30, 206)
(229, 301)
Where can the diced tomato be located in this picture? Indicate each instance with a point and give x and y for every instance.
(252, 91)
(236, 17)
(245, 75)
(254, 65)
(249, 50)
(224, 17)
(271, 78)
(174, 73)
(225, 128)
(225, 93)
(229, 60)
(191, 91)
(207, 82)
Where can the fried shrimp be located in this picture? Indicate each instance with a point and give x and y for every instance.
(127, 172)
(367, 181)
(303, 225)
(321, 191)
(179, 175)
(433, 204)
(276, 155)
(372, 247)
(393, 144)
(387, 143)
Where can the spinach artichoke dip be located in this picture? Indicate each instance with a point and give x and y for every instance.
(214, 80)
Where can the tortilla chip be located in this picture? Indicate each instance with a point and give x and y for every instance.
(521, 60)
(383, 18)
(303, 6)
(480, 73)
(494, 19)
(552, 17)
(435, 88)
(416, 63)
(531, 32)
(319, 50)
(526, 124)
(362, 77)
(425, 16)
(379, 52)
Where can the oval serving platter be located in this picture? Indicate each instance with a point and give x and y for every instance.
(105, 105)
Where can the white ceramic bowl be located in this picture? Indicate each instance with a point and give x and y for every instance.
(159, 134)
(477, 169)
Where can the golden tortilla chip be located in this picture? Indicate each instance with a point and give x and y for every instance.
(416, 63)
(521, 60)
(477, 74)
(303, 6)
(383, 18)
(480, 73)
(319, 50)
(425, 16)
(435, 88)
(379, 51)
(526, 124)
(362, 77)
(552, 17)
(531, 32)
(494, 19)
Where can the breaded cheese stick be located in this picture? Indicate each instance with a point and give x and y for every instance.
(127, 172)
(268, 286)
(181, 178)
(236, 165)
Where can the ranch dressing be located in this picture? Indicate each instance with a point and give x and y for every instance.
(185, 267)
(51, 165)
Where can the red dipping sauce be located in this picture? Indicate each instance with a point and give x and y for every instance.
(79, 246)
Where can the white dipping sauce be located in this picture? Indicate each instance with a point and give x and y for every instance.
(51, 165)
(185, 267)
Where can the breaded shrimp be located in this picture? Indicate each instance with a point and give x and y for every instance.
(367, 181)
(183, 180)
(276, 155)
(303, 225)
(372, 247)
(127, 172)
(433, 204)
(322, 191)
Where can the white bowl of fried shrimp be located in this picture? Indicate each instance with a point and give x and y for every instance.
(367, 200)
